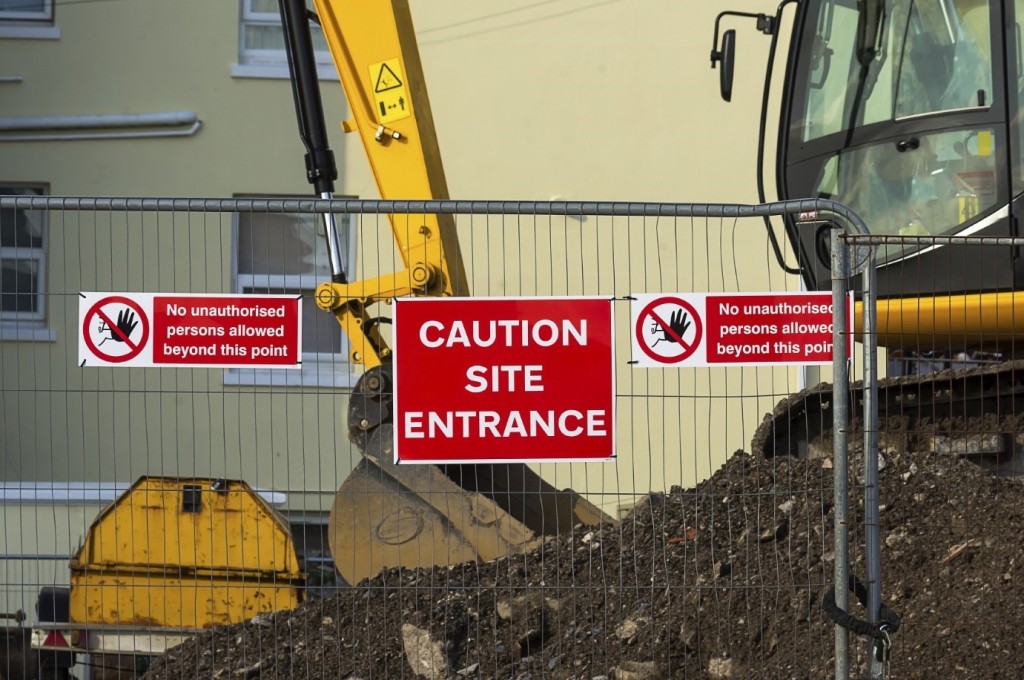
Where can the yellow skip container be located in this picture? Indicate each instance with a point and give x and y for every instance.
(187, 554)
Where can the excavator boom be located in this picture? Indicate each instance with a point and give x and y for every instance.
(373, 45)
(384, 514)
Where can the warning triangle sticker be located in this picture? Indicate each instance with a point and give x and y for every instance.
(386, 80)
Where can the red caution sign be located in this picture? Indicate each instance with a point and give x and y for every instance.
(199, 331)
(487, 380)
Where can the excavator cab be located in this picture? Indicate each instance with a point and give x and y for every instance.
(910, 113)
(921, 139)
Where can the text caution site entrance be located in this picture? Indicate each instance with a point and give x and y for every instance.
(504, 379)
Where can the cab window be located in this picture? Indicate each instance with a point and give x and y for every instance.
(945, 62)
(935, 56)
(927, 187)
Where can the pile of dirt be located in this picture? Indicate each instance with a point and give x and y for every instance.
(721, 581)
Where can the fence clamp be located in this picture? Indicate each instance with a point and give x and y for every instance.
(859, 257)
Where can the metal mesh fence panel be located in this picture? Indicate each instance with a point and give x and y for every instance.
(189, 509)
(948, 455)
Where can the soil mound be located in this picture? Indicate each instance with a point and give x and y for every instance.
(721, 581)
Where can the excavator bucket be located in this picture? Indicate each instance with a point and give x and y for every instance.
(388, 515)
(414, 516)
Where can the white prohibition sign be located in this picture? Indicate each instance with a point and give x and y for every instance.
(115, 329)
(669, 330)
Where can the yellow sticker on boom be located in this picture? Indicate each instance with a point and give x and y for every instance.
(387, 82)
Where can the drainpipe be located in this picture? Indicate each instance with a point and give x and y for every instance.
(108, 126)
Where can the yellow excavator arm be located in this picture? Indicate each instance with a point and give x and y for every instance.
(374, 49)
(386, 515)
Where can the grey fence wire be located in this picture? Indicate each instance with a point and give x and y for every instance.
(713, 561)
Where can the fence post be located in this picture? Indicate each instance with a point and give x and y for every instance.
(872, 544)
(840, 421)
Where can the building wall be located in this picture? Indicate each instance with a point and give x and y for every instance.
(565, 100)
(40, 538)
(590, 101)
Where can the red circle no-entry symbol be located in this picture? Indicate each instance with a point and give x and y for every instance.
(669, 330)
(116, 329)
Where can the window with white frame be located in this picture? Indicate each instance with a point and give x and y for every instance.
(286, 254)
(26, 11)
(261, 39)
(22, 264)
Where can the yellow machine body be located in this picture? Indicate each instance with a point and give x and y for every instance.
(989, 321)
(184, 553)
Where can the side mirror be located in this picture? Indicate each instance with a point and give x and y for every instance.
(728, 58)
(727, 55)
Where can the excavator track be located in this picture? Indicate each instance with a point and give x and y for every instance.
(971, 412)
(387, 515)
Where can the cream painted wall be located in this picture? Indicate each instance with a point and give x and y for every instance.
(614, 101)
(570, 99)
(104, 425)
(617, 101)
(586, 101)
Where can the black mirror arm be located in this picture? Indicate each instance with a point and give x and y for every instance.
(766, 24)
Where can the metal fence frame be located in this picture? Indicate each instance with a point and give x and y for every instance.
(849, 236)
(849, 220)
